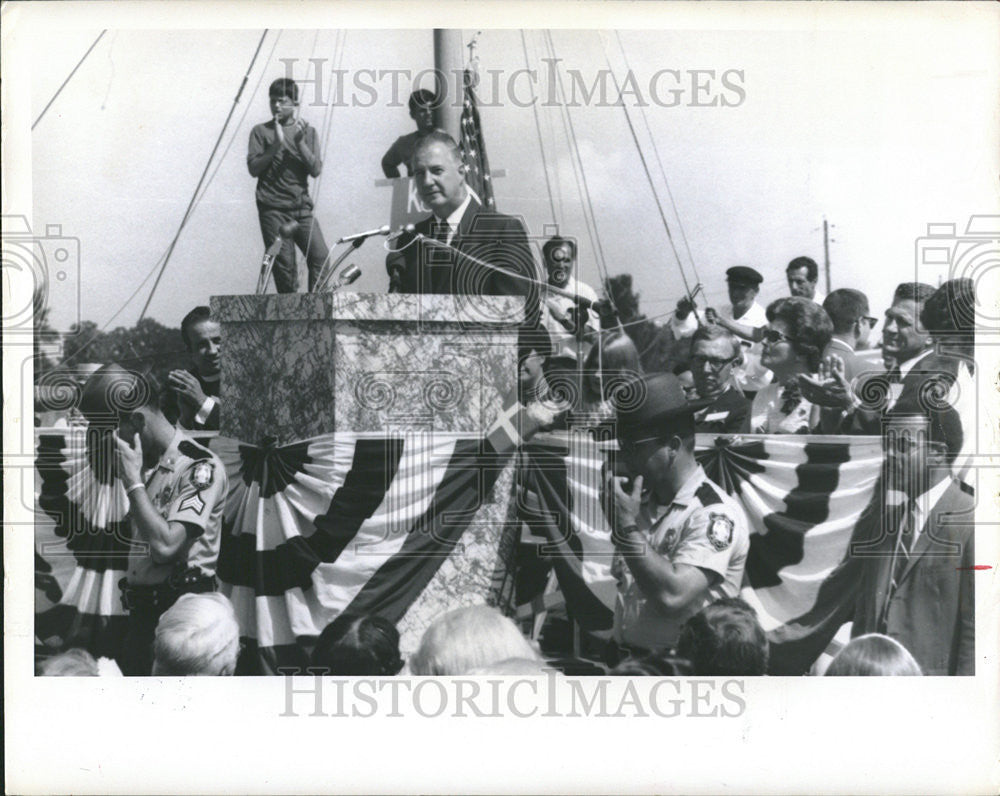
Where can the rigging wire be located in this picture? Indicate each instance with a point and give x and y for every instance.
(551, 129)
(68, 78)
(578, 172)
(538, 129)
(198, 200)
(663, 173)
(191, 203)
(649, 177)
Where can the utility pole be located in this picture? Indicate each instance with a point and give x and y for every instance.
(826, 252)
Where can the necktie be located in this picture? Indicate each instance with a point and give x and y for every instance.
(901, 557)
(895, 376)
(441, 230)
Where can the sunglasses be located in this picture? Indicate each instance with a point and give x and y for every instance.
(869, 320)
(774, 336)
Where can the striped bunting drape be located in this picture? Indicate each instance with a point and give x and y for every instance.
(344, 522)
(805, 498)
(83, 553)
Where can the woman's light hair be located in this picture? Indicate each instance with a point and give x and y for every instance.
(469, 638)
(197, 635)
(873, 655)
(71, 663)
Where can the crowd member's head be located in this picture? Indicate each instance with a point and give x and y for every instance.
(533, 347)
(656, 437)
(560, 257)
(657, 664)
(802, 274)
(352, 645)
(873, 655)
(902, 336)
(686, 378)
(71, 663)
(724, 639)
(714, 353)
(439, 172)
(848, 311)
(949, 314)
(744, 285)
(921, 442)
(798, 330)
(531, 667)
(202, 337)
(197, 635)
(469, 638)
(611, 368)
(283, 96)
(115, 397)
(422, 103)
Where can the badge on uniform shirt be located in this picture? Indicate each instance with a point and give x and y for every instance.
(192, 502)
(720, 530)
(202, 475)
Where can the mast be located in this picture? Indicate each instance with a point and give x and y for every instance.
(449, 64)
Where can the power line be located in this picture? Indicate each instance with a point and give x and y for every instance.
(204, 173)
(68, 78)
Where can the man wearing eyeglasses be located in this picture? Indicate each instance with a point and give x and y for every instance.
(852, 328)
(745, 318)
(681, 542)
(715, 356)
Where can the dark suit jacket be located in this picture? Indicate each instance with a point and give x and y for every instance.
(932, 612)
(914, 390)
(728, 414)
(492, 237)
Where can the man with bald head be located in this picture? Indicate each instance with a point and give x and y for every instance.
(440, 255)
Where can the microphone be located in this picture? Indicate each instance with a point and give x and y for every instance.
(285, 231)
(383, 230)
(405, 229)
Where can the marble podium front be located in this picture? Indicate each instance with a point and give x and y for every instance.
(297, 366)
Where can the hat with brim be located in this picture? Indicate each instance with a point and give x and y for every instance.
(657, 407)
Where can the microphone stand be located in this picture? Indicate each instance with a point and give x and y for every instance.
(327, 273)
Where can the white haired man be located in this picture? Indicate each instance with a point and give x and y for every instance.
(197, 635)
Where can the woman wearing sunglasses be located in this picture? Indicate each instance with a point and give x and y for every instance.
(797, 332)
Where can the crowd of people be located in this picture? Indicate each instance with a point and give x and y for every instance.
(805, 363)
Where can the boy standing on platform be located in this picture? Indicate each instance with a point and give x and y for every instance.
(282, 155)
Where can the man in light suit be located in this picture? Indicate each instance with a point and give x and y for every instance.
(468, 230)
(918, 578)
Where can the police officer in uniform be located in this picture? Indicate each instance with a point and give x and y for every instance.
(681, 542)
(176, 490)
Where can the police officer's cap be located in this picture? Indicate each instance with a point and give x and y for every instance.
(657, 407)
(744, 274)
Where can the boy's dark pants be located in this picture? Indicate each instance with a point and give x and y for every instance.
(308, 237)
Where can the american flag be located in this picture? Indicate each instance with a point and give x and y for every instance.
(474, 146)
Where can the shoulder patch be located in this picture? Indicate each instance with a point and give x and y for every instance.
(720, 530)
(707, 494)
(193, 451)
(202, 475)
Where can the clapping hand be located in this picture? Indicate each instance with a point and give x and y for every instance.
(187, 387)
(711, 316)
(830, 386)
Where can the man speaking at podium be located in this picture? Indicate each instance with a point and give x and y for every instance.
(450, 251)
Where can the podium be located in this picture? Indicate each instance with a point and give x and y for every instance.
(387, 366)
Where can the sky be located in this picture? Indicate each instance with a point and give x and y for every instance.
(880, 125)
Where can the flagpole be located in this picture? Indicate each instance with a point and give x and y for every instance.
(449, 65)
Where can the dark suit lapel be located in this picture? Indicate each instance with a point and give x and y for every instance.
(466, 224)
(928, 541)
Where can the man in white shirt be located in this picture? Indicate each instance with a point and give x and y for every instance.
(562, 316)
(803, 274)
(745, 317)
